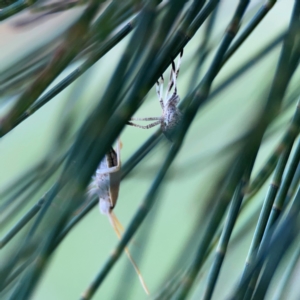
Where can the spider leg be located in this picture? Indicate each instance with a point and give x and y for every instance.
(174, 77)
(170, 84)
(145, 119)
(176, 71)
(159, 90)
(179, 63)
(144, 127)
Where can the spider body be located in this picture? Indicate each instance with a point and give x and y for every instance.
(171, 115)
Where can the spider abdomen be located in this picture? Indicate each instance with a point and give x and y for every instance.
(171, 117)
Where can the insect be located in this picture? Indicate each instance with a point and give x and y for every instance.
(105, 184)
(171, 115)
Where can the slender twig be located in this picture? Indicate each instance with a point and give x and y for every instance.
(21, 223)
(250, 27)
(277, 243)
(134, 224)
(201, 96)
(62, 57)
(285, 281)
(15, 8)
(288, 138)
(265, 212)
(286, 183)
(294, 185)
(291, 224)
(275, 212)
(225, 236)
(282, 77)
(203, 49)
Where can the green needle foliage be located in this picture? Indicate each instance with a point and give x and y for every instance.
(226, 185)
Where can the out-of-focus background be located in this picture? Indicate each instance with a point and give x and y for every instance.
(208, 148)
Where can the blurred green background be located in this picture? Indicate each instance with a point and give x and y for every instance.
(205, 153)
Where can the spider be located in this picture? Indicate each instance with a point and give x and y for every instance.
(105, 185)
(171, 115)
